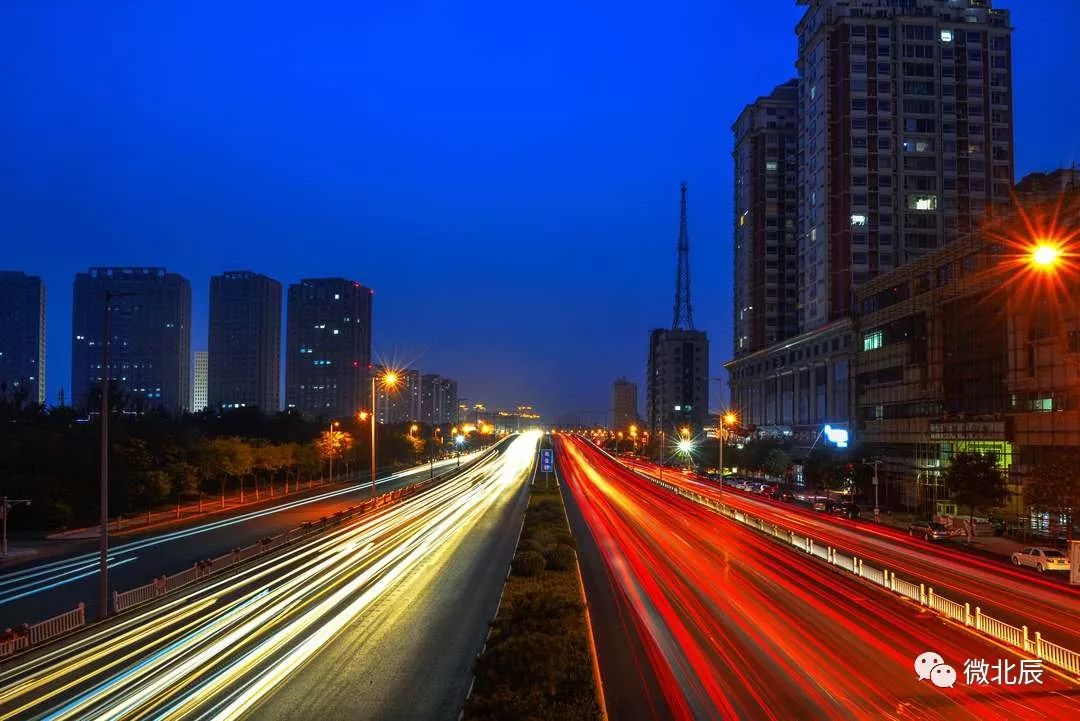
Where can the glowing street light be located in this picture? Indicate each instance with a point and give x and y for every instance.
(685, 446)
(389, 381)
(1045, 255)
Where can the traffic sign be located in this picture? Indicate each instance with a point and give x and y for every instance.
(547, 460)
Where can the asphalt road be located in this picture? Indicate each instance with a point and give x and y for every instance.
(31, 592)
(735, 626)
(1015, 596)
(631, 689)
(377, 619)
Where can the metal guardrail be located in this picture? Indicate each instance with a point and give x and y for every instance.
(1019, 638)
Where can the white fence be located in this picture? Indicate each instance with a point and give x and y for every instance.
(1019, 638)
(14, 640)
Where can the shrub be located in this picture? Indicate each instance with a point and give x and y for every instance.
(561, 558)
(528, 563)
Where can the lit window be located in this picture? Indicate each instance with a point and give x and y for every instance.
(922, 202)
(337, 296)
(946, 36)
(813, 91)
(770, 166)
(873, 340)
(858, 220)
(678, 408)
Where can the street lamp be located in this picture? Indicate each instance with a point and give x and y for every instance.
(6, 504)
(103, 551)
(459, 440)
(1044, 255)
(332, 448)
(727, 419)
(389, 381)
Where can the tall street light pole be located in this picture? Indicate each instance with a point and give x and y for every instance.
(726, 419)
(389, 380)
(333, 450)
(103, 546)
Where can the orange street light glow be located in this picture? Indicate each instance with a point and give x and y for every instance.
(1045, 255)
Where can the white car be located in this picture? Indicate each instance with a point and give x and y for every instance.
(1043, 559)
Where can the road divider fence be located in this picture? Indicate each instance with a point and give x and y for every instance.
(13, 640)
(1018, 637)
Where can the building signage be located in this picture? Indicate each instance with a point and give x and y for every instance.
(968, 431)
(547, 460)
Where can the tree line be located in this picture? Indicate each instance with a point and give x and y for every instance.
(52, 457)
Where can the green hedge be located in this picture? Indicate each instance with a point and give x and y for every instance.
(537, 664)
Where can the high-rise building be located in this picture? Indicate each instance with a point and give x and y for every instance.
(438, 399)
(22, 336)
(200, 382)
(678, 380)
(245, 341)
(149, 337)
(766, 219)
(400, 404)
(906, 137)
(678, 368)
(328, 347)
(624, 403)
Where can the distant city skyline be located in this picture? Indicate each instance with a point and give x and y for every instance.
(545, 187)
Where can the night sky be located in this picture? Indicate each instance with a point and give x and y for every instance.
(504, 175)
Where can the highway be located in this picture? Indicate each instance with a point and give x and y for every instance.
(353, 622)
(736, 626)
(1016, 596)
(31, 591)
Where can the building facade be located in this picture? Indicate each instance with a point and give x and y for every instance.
(766, 218)
(974, 348)
(624, 404)
(792, 390)
(22, 336)
(328, 347)
(245, 342)
(906, 137)
(200, 382)
(438, 399)
(149, 338)
(678, 373)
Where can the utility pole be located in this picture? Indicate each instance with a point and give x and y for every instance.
(6, 504)
(877, 511)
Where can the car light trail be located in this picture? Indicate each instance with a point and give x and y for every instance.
(47, 576)
(734, 626)
(1000, 590)
(218, 650)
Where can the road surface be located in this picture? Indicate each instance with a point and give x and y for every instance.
(32, 592)
(378, 619)
(1015, 596)
(736, 626)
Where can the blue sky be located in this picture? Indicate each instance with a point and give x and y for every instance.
(505, 176)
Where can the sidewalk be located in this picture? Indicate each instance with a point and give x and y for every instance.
(998, 546)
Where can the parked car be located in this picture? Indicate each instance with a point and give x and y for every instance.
(1041, 558)
(824, 505)
(929, 530)
(847, 510)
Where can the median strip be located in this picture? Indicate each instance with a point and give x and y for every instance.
(537, 662)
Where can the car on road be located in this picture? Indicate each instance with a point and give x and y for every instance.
(824, 505)
(846, 510)
(928, 530)
(1041, 559)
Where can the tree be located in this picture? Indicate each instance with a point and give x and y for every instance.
(1054, 484)
(975, 482)
(776, 462)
